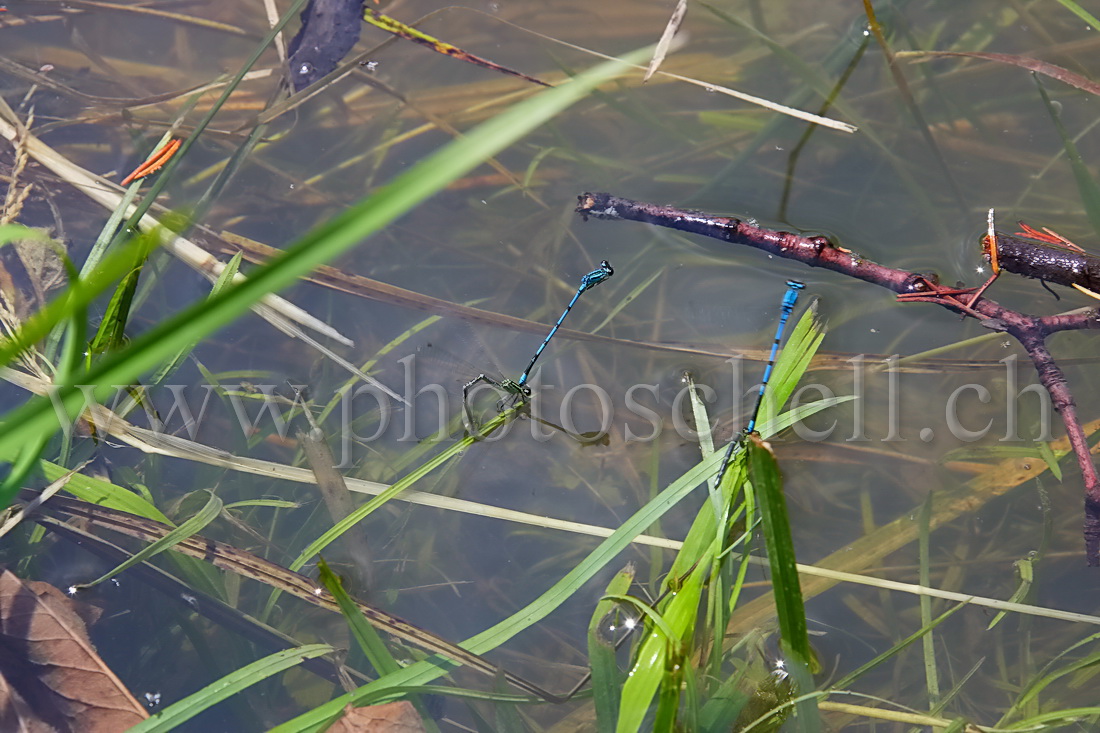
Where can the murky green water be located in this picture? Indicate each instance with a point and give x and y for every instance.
(908, 192)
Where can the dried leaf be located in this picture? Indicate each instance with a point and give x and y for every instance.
(665, 43)
(50, 675)
(391, 717)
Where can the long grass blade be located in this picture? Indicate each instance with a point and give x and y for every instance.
(790, 609)
(38, 417)
(192, 526)
(260, 670)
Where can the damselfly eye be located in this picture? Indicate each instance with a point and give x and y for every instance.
(526, 391)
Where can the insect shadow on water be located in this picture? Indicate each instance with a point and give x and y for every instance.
(462, 368)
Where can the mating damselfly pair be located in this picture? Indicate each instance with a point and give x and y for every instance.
(516, 390)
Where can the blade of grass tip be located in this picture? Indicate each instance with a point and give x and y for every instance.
(340, 234)
(928, 642)
(112, 328)
(794, 359)
(1081, 13)
(1087, 187)
(15, 518)
(1050, 459)
(607, 678)
(767, 485)
(190, 706)
(267, 503)
(192, 526)
(1035, 687)
(706, 437)
(665, 41)
(852, 677)
(338, 394)
(105, 493)
(957, 688)
(1025, 570)
(334, 492)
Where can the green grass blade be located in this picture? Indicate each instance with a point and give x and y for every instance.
(606, 552)
(928, 642)
(192, 526)
(1081, 13)
(429, 176)
(360, 513)
(595, 562)
(105, 493)
(190, 706)
(225, 279)
(365, 635)
(662, 651)
(790, 610)
(849, 679)
(802, 344)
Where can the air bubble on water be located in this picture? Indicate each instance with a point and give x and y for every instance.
(710, 90)
(617, 622)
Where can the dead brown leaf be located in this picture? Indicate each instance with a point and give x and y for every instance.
(50, 675)
(391, 717)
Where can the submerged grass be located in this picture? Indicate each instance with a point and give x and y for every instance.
(705, 655)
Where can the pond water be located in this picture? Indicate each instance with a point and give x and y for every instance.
(910, 189)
